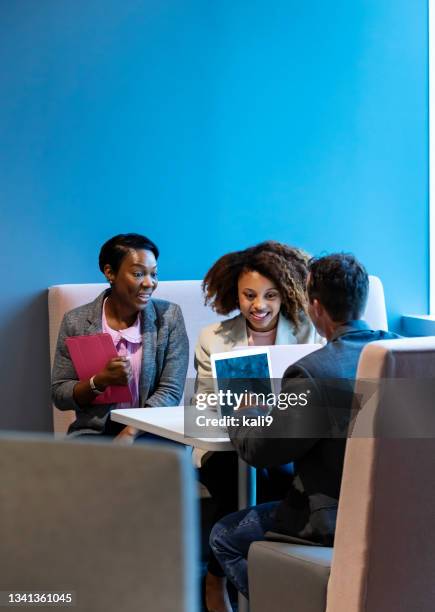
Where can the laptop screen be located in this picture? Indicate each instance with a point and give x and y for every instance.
(241, 374)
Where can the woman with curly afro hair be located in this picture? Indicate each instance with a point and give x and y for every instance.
(266, 284)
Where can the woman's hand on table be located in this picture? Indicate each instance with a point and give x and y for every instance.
(126, 436)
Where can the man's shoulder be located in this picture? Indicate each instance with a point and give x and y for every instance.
(338, 358)
(310, 365)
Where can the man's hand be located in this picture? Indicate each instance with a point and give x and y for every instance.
(251, 402)
(126, 436)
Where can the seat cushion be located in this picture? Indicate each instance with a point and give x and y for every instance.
(281, 576)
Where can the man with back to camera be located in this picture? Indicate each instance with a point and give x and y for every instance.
(312, 434)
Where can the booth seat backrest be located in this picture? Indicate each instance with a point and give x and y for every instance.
(83, 518)
(384, 545)
(188, 295)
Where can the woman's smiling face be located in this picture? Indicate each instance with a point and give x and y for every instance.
(259, 300)
(135, 280)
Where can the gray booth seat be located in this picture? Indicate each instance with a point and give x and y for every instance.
(281, 575)
(383, 559)
(116, 526)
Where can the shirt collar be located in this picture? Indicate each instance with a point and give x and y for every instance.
(132, 334)
(349, 327)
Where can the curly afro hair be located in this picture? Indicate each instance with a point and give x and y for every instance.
(285, 266)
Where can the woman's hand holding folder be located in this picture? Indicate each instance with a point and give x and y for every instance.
(117, 372)
(104, 375)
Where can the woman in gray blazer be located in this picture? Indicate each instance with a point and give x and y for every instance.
(266, 284)
(149, 336)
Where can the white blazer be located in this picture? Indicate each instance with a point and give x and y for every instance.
(225, 336)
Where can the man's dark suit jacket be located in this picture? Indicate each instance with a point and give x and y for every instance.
(313, 436)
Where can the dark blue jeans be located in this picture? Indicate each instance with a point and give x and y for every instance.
(219, 475)
(232, 536)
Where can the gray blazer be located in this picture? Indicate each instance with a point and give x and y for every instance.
(164, 361)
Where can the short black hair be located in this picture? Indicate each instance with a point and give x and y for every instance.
(115, 249)
(340, 283)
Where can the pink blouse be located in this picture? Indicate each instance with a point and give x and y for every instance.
(128, 343)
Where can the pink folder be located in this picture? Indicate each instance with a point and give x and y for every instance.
(89, 355)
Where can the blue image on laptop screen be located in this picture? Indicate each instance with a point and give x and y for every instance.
(246, 366)
(243, 374)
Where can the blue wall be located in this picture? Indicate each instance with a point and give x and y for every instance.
(208, 126)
